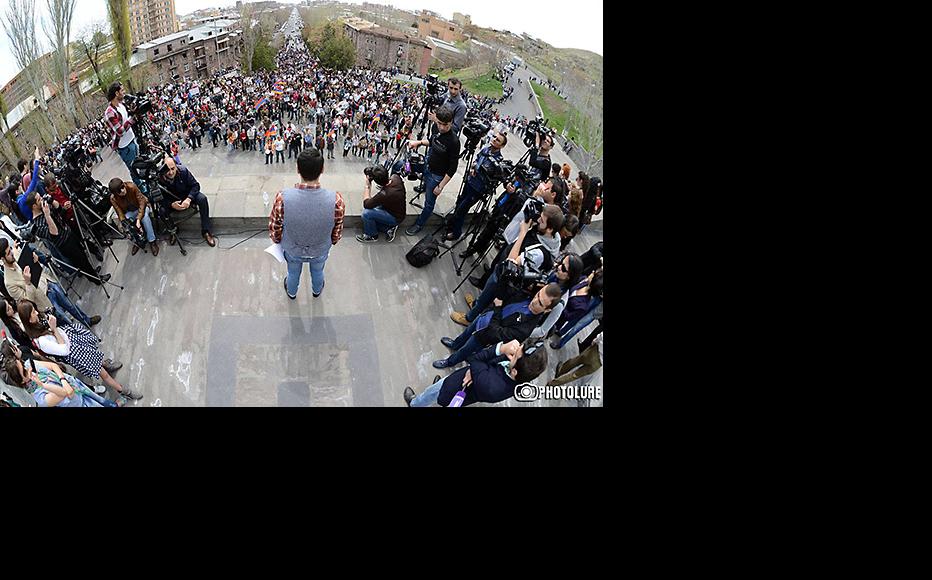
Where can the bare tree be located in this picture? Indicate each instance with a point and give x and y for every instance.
(91, 41)
(58, 31)
(20, 25)
(118, 12)
(250, 36)
(6, 127)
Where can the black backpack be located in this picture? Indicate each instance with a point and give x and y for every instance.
(423, 252)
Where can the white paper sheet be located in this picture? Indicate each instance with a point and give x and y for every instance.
(275, 250)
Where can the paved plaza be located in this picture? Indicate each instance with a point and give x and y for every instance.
(214, 328)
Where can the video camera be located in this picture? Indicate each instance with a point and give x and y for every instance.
(137, 104)
(435, 90)
(537, 126)
(520, 278)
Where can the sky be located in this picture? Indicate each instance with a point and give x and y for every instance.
(577, 24)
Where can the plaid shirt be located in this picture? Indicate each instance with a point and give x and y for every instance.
(117, 124)
(277, 217)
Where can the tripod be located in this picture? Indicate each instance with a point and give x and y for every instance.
(469, 153)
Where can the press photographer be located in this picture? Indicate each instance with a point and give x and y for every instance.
(452, 100)
(503, 323)
(528, 260)
(443, 158)
(132, 208)
(49, 225)
(491, 376)
(541, 137)
(478, 184)
(121, 123)
(384, 211)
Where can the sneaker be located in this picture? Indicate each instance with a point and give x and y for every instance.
(100, 389)
(130, 394)
(111, 366)
(470, 300)
(366, 239)
(391, 234)
(413, 230)
(286, 289)
(321, 290)
(95, 320)
(459, 318)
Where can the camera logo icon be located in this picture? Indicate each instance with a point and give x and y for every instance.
(526, 392)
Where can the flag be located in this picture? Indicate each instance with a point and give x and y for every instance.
(261, 103)
(375, 120)
(170, 112)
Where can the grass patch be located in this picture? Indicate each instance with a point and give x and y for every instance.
(555, 109)
(562, 115)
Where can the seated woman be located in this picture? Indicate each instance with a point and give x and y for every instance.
(48, 384)
(76, 346)
(568, 274)
(15, 330)
(583, 307)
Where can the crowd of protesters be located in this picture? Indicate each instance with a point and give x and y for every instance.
(358, 113)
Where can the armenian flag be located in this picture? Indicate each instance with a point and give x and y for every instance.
(375, 120)
(261, 103)
(278, 88)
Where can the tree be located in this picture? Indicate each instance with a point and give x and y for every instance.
(118, 13)
(91, 40)
(338, 53)
(58, 32)
(6, 127)
(250, 35)
(20, 26)
(263, 56)
(334, 50)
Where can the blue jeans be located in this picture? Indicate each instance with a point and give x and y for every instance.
(128, 155)
(61, 301)
(465, 345)
(377, 220)
(470, 196)
(431, 181)
(568, 332)
(429, 396)
(485, 298)
(146, 223)
(296, 264)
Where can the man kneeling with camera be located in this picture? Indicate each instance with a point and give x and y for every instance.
(386, 209)
(132, 206)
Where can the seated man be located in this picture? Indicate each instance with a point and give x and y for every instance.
(130, 203)
(180, 183)
(504, 323)
(384, 211)
(48, 293)
(491, 376)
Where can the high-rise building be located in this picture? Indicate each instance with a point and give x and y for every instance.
(150, 19)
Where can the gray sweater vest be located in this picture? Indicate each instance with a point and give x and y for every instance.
(308, 222)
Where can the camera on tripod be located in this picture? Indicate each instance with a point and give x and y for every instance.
(537, 126)
(435, 89)
(137, 104)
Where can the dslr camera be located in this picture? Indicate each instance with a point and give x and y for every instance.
(435, 90)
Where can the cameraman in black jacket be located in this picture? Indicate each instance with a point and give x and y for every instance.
(491, 376)
(503, 323)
